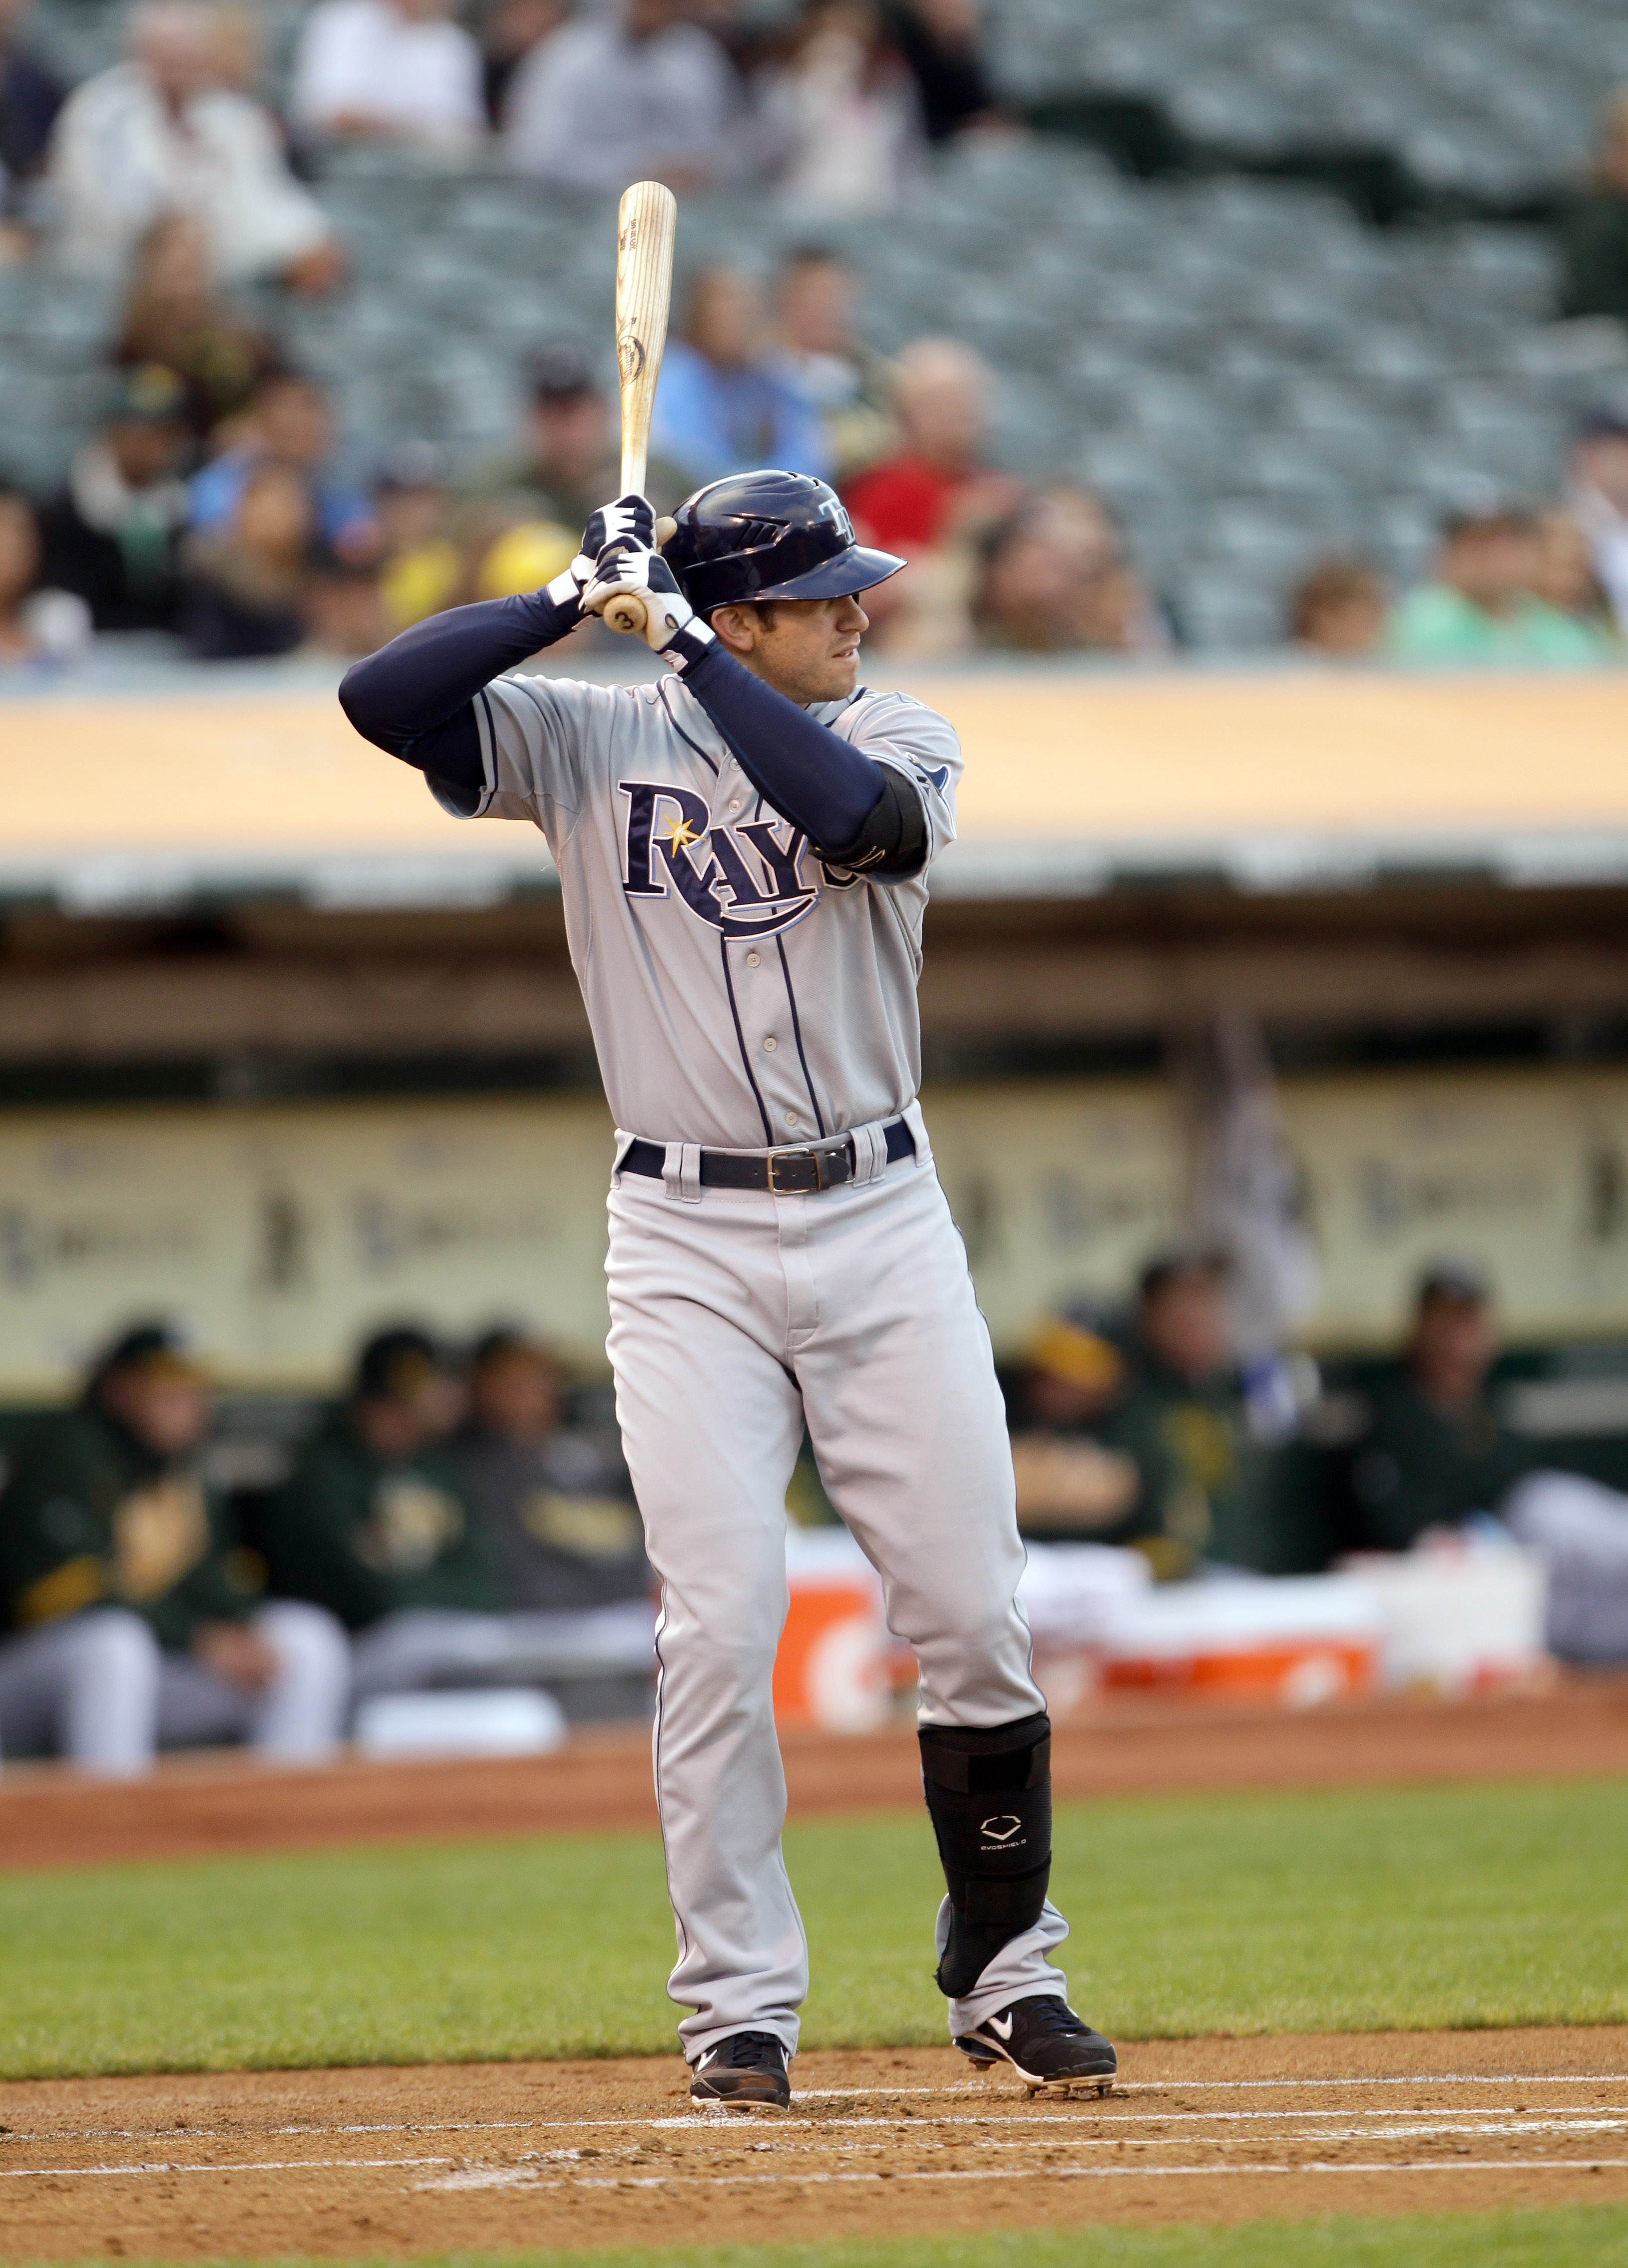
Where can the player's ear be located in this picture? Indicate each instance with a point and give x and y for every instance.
(736, 626)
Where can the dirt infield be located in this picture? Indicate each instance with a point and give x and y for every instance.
(192, 1806)
(400, 2162)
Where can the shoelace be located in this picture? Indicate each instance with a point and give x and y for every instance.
(748, 2050)
(1052, 2014)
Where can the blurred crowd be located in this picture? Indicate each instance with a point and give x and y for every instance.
(219, 507)
(464, 1518)
(1511, 583)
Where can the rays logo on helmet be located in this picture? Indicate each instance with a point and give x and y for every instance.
(744, 880)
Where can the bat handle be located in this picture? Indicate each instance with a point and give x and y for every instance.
(625, 615)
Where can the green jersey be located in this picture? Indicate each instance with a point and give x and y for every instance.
(366, 1535)
(90, 1517)
(1199, 1467)
(1418, 1466)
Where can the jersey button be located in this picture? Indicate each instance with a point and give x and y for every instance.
(790, 1118)
(771, 1044)
(752, 959)
(736, 805)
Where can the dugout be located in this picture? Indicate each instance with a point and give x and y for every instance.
(286, 1050)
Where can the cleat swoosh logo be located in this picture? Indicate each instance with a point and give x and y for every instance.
(1001, 2026)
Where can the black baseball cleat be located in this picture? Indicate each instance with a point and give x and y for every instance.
(746, 2072)
(1046, 2043)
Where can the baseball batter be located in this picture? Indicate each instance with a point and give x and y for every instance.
(743, 851)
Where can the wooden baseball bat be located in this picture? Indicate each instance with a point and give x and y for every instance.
(645, 222)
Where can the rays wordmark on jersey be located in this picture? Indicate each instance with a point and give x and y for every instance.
(744, 880)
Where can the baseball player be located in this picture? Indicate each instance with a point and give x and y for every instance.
(742, 852)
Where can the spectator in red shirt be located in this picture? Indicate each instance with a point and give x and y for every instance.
(939, 486)
(934, 500)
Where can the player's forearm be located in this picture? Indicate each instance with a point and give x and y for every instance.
(850, 806)
(413, 697)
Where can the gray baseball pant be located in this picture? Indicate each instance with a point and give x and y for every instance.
(1579, 1527)
(737, 1316)
(440, 1646)
(98, 1690)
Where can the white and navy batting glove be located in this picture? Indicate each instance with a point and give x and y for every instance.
(632, 519)
(672, 626)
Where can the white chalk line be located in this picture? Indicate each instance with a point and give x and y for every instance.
(240, 2166)
(1207, 2085)
(1123, 2134)
(1088, 2106)
(236, 2133)
(1605, 2115)
(963, 2091)
(499, 2177)
(519, 2179)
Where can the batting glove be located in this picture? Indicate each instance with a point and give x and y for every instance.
(630, 519)
(672, 626)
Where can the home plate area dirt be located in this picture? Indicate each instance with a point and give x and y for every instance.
(450, 2157)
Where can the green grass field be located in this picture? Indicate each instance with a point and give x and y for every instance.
(1374, 1911)
(1578, 2236)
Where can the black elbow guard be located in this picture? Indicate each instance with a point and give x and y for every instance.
(988, 1794)
(892, 844)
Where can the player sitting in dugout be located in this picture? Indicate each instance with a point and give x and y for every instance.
(377, 1523)
(132, 1619)
(556, 1503)
(1436, 1457)
(1143, 1437)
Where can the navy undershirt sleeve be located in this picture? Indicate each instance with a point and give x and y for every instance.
(414, 698)
(810, 774)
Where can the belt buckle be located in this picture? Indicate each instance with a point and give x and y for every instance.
(801, 1187)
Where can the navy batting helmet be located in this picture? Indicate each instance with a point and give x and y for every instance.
(770, 535)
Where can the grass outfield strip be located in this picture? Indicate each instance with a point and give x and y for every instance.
(1356, 1910)
(1572, 2236)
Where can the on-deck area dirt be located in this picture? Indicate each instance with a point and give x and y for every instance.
(896, 2142)
(602, 1780)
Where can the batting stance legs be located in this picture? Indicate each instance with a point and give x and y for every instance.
(737, 1314)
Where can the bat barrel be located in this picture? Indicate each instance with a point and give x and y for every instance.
(646, 222)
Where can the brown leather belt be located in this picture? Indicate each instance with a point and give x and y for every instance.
(787, 1173)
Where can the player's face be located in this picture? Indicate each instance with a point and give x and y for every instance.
(808, 649)
(168, 1412)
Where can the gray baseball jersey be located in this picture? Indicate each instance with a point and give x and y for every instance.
(741, 993)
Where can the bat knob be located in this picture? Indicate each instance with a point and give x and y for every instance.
(625, 615)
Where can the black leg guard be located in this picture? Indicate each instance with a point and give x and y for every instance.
(990, 1796)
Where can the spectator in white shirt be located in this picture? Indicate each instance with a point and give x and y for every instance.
(630, 92)
(840, 114)
(396, 68)
(161, 134)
